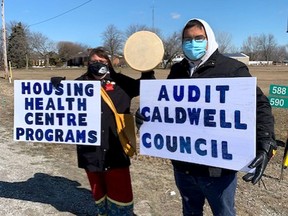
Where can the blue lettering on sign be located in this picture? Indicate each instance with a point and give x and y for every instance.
(222, 90)
(156, 116)
(49, 135)
(59, 90)
(167, 119)
(70, 103)
(82, 104)
(48, 88)
(49, 118)
(50, 104)
(171, 145)
(37, 88)
(39, 118)
(30, 102)
(78, 89)
(238, 124)
(89, 90)
(223, 123)
(158, 141)
(26, 88)
(146, 140)
(214, 150)
(71, 119)
(39, 135)
(38, 103)
(180, 115)
(199, 142)
(69, 136)
(92, 136)
(193, 93)
(185, 144)
(163, 94)
(19, 132)
(178, 96)
(194, 115)
(225, 154)
(26, 118)
(207, 93)
(29, 134)
(59, 135)
(209, 117)
(82, 119)
(144, 111)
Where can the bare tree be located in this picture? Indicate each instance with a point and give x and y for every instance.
(250, 48)
(280, 54)
(67, 49)
(172, 47)
(267, 45)
(260, 47)
(135, 28)
(40, 44)
(112, 40)
(224, 41)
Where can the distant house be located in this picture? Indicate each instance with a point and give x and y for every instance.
(177, 58)
(239, 56)
(261, 63)
(79, 60)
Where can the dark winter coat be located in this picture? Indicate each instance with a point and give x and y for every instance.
(110, 154)
(217, 66)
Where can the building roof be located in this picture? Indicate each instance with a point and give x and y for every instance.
(235, 55)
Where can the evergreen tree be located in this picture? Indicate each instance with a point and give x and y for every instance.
(17, 46)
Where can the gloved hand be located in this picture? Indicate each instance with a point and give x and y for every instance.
(261, 160)
(56, 81)
(139, 118)
(147, 75)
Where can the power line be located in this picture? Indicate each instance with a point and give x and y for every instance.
(60, 14)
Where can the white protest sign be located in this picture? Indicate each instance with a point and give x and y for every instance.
(203, 121)
(70, 113)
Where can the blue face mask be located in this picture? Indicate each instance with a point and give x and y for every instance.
(194, 49)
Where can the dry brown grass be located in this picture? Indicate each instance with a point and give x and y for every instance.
(153, 178)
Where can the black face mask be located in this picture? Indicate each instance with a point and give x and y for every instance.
(98, 68)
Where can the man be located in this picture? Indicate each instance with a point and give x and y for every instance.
(197, 182)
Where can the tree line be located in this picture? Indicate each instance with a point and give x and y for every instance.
(25, 47)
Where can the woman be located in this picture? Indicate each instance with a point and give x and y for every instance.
(107, 166)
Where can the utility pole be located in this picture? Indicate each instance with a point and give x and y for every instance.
(153, 17)
(287, 26)
(4, 43)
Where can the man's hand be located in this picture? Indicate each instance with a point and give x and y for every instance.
(260, 163)
(56, 81)
(139, 119)
(261, 160)
(147, 75)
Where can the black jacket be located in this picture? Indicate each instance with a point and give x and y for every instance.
(110, 154)
(218, 66)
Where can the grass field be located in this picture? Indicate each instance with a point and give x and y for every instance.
(152, 177)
